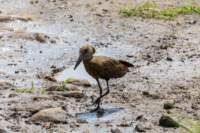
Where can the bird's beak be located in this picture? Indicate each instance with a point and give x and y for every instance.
(80, 58)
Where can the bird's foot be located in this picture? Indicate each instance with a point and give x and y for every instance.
(95, 109)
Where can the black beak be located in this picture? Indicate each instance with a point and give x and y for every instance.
(78, 61)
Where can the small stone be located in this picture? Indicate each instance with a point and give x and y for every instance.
(57, 70)
(164, 46)
(75, 94)
(141, 118)
(125, 124)
(53, 41)
(3, 131)
(151, 95)
(192, 22)
(52, 88)
(129, 56)
(81, 121)
(15, 128)
(168, 105)
(105, 10)
(169, 59)
(71, 18)
(167, 121)
(40, 98)
(49, 78)
(55, 115)
(99, 15)
(70, 87)
(99, 3)
(47, 125)
(116, 130)
(12, 95)
(140, 128)
(4, 85)
(40, 37)
(80, 82)
(195, 106)
(16, 72)
(146, 93)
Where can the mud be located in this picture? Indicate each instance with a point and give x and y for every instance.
(165, 55)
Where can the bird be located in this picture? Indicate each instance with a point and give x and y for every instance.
(101, 67)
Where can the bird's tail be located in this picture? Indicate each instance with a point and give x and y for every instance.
(126, 63)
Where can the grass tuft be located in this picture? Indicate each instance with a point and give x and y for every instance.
(32, 89)
(151, 10)
(25, 90)
(61, 87)
(69, 80)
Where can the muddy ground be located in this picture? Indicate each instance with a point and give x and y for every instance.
(165, 55)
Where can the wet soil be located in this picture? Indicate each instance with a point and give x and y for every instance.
(165, 55)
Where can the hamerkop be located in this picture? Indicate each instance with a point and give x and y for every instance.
(101, 67)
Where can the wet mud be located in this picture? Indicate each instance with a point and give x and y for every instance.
(39, 45)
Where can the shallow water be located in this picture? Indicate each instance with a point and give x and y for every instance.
(79, 73)
(89, 116)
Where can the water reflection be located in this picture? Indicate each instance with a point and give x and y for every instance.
(99, 114)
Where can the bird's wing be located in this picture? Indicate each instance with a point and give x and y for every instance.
(108, 67)
(126, 63)
(105, 62)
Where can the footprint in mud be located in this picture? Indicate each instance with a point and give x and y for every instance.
(95, 115)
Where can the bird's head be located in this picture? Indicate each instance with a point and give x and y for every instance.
(85, 53)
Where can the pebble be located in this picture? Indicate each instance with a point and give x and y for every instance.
(116, 130)
(55, 115)
(167, 121)
(140, 128)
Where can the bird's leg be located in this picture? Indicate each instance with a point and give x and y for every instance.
(106, 93)
(98, 100)
(108, 90)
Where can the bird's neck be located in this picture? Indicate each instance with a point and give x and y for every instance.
(85, 61)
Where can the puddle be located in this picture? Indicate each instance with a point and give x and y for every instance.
(80, 73)
(89, 116)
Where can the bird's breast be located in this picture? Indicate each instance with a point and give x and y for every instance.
(91, 69)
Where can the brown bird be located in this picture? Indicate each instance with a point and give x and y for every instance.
(101, 67)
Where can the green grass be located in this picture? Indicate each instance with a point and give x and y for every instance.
(69, 80)
(25, 90)
(187, 124)
(31, 89)
(151, 10)
(62, 85)
(42, 91)
(190, 125)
